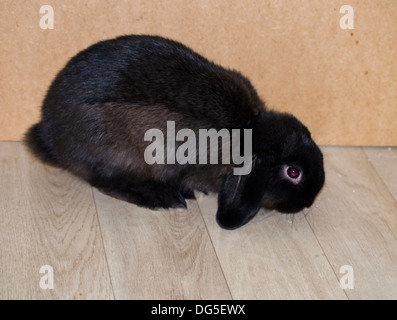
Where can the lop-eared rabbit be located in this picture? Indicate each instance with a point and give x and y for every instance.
(101, 104)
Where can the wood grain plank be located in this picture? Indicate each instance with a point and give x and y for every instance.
(274, 256)
(159, 254)
(355, 221)
(48, 217)
(385, 162)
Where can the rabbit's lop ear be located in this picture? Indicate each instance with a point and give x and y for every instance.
(240, 196)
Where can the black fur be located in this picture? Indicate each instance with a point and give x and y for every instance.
(240, 197)
(99, 106)
(37, 145)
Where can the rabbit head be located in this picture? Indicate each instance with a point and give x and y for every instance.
(287, 172)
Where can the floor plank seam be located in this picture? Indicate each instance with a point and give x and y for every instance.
(103, 244)
(216, 253)
(378, 174)
(325, 255)
(385, 185)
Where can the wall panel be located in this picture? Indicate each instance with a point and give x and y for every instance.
(340, 83)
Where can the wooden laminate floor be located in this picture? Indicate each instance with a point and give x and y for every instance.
(102, 248)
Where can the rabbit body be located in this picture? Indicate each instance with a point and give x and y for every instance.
(99, 106)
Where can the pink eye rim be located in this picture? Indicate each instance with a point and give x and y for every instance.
(292, 173)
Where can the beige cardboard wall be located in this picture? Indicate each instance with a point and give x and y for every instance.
(341, 83)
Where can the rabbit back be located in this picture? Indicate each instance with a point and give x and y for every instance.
(99, 106)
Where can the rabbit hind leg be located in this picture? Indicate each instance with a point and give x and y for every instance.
(147, 193)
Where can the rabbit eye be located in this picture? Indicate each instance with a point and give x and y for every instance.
(292, 174)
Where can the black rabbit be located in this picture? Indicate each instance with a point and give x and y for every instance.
(99, 107)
